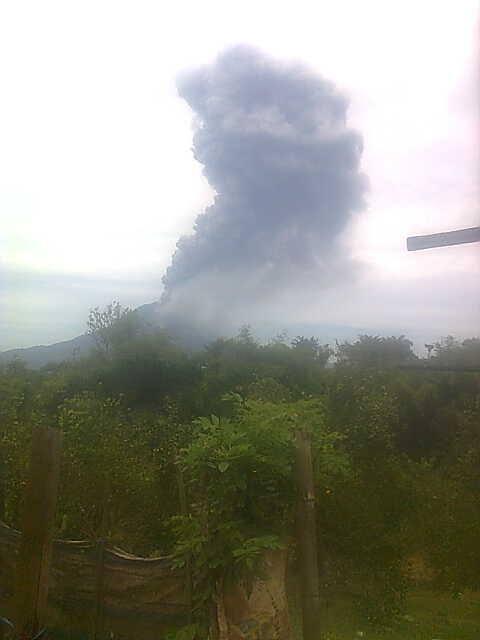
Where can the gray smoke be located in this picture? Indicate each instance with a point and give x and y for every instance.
(274, 145)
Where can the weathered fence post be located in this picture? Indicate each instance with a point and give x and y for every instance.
(307, 537)
(2, 516)
(33, 565)
(182, 495)
(2, 491)
(99, 620)
(100, 547)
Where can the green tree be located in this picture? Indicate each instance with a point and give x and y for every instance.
(18, 387)
(108, 470)
(375, 352)
(450, 352)
(111, 326)
(239, 476)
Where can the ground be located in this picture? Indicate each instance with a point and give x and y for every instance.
(429, 616)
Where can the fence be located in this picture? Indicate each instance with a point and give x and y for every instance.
(136, 597)
(139, 597)
(86, 589)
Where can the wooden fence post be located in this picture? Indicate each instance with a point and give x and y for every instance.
(2, 518)
(2, 491)
(99, 621)
(33, 565)
(182, 494)
(307, 537)
(100, 548)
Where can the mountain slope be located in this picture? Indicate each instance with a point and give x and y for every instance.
(39, 356)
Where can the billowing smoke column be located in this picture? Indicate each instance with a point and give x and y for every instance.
(274, 145)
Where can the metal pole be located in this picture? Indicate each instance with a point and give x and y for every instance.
(445, 239)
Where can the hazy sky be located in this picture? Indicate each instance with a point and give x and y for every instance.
(98, 181)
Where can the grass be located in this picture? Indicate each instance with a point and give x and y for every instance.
(428, 616)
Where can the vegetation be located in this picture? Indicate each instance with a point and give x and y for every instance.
(396, 455)
(428, 615)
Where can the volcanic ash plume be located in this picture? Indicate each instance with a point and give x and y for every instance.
(275, 147)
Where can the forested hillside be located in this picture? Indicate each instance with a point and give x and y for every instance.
(395, 443)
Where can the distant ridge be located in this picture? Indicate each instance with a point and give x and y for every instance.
(42, 355)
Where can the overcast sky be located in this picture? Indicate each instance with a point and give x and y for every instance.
(98, 180)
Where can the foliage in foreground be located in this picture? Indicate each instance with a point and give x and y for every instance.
(396, 455)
